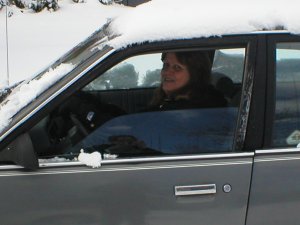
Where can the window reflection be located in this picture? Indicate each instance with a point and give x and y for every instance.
(286, 130)
(168, 132)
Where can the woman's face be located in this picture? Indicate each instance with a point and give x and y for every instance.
(174, 75)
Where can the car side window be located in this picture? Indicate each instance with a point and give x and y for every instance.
(131, 84)
(114, 114)
(286, 128)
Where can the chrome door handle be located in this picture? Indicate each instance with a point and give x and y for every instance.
(204, 189)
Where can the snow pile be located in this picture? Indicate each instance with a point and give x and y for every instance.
(169, 19)
(29, 91)
(90, 159)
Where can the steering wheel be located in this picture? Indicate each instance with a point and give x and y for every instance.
(79, 116)
(79, 125)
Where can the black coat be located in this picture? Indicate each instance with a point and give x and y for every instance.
(208, 98)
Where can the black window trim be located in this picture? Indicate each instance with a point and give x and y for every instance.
(255, 126)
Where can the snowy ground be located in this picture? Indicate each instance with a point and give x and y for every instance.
(37, 39)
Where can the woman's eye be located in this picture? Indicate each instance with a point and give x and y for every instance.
(177, 68)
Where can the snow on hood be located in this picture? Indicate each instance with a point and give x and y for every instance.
(169, 19)
(28, 92)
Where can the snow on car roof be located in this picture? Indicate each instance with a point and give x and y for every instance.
(178, 19)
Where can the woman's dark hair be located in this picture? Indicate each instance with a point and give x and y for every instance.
(199, 66)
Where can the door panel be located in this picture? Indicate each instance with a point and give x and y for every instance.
(275, 188)
(124, 192)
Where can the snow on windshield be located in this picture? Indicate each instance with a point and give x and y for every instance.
(29, 91)
(168, 19)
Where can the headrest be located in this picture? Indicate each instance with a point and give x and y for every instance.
(222, 83)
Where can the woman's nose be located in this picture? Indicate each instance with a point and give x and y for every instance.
(167, 71)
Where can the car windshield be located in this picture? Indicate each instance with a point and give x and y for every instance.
(12, 98)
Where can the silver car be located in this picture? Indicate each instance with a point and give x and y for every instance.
(237, 164)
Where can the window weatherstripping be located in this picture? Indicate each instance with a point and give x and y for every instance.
(277, 155)
(277, 151)
(234, 158)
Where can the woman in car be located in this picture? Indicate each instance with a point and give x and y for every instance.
(185, 83)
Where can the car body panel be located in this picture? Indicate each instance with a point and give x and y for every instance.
(136, 193)
(275, 187)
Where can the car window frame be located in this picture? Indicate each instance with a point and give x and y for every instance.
(115, 57)
(249, 41)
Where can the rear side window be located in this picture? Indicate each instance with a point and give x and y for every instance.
(286, 130)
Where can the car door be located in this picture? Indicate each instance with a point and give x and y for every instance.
(3, 47)
(209, 187)
(275, 187)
